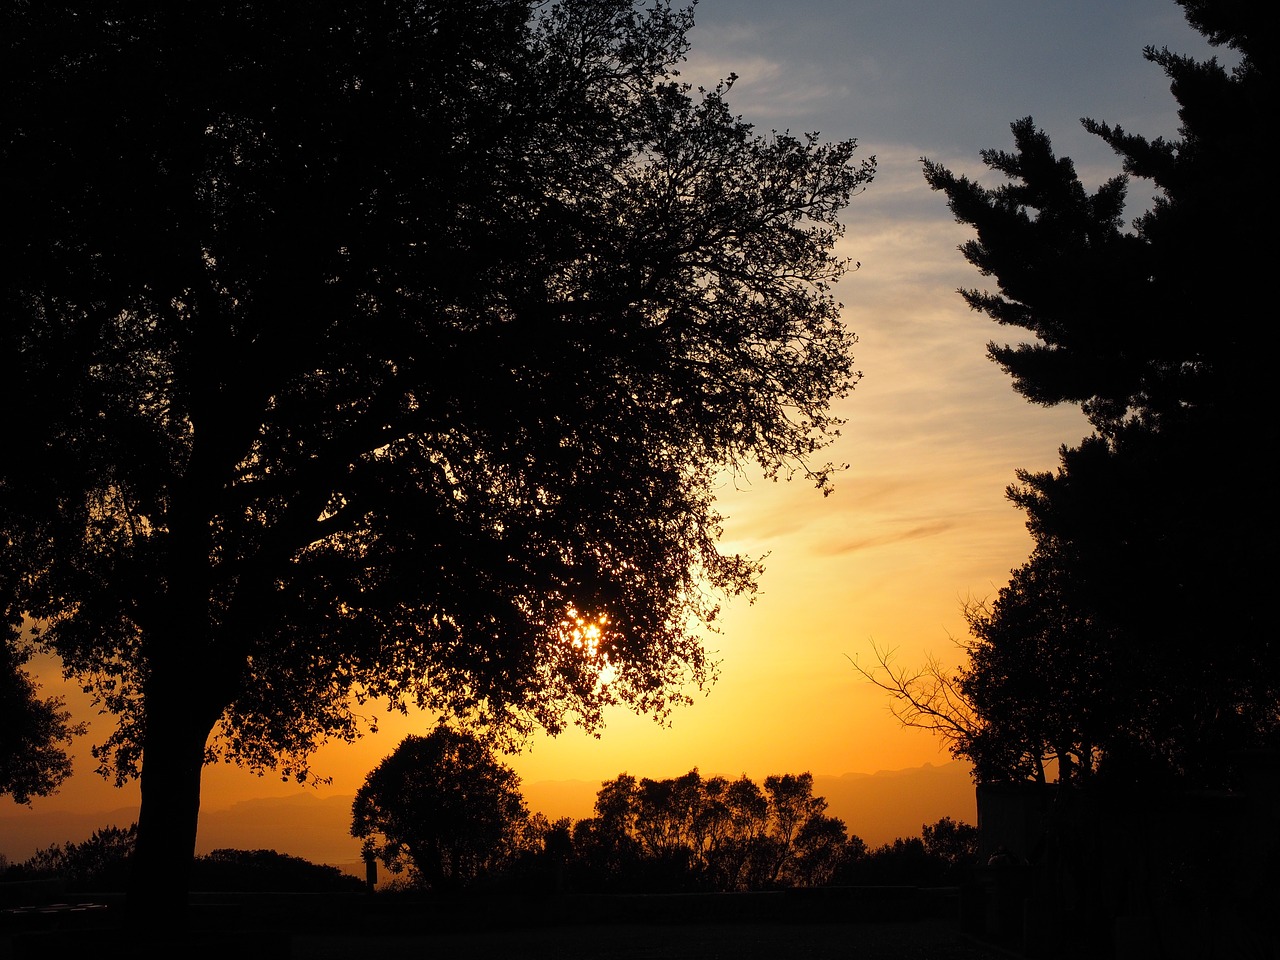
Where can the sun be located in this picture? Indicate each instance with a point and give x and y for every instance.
(584, 633)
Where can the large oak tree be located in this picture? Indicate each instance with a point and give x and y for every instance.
(350, 347)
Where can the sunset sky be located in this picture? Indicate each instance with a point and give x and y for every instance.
(919, 521)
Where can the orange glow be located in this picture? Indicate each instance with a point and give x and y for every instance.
(583, 633)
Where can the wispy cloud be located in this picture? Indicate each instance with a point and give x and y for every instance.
(889, 537)
(768, 90)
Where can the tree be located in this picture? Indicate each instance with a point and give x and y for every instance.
(952, 843)
(442, 805)
(389, 351)
(692, 832)
(1027, 648)
(669, 821)
(792, 806)
(34, 731)
(821, 844)
(737, 816)
(1141, 597)
(268, 871)
(98, 863)
(1036, 645)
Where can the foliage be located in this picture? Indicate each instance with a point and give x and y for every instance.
(1027, 648)
(943, 855)
(100, 863)
(267, 871)
(34, 731)
(358, 347)
(695, 833)
(535, 859)
(442, 806)
(953, 842)
(819, 847)
(691, 833)
(1031, 647)
(1131, 644)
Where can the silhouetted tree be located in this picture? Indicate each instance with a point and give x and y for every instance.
(734, 817)
(942, 855)
(1132, 641)
(536, 857)
(360, 350)
(604, 858)
(268, 871)
(903, 862)
(954, 844)
(819, 846)
(441, 805)
(737, 859)
(608, 849)
(670, 828)
(855, 848)
(99, 863)
(1035, 645)
(34, 731)
(791, 806)
(927, 697)
(691, 832)
(1028, 647)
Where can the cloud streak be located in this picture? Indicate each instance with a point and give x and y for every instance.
(858, 544)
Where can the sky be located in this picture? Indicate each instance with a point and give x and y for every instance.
(933, 432)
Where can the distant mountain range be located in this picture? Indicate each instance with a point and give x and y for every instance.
(877, 807)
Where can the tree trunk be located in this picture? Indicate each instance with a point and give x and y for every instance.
(172, 762)
(181, 707)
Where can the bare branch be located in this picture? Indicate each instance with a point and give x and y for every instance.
(926, 698)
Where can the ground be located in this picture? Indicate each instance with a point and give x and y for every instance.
(932, 939)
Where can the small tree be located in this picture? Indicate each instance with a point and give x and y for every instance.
(953, 843)
(748, 813)
(442, 806)
(268, 871)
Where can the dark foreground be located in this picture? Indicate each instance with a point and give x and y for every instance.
(866, 925)
(908, 940)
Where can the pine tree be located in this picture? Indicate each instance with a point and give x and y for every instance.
(1161, 524)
